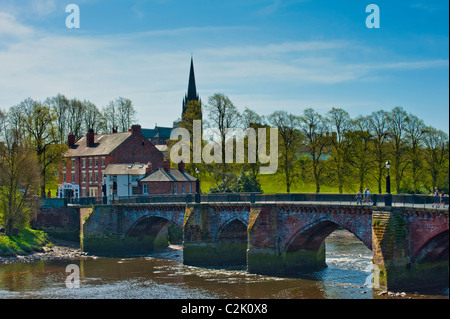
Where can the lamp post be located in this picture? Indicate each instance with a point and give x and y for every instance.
(197, 187)
(388, 196)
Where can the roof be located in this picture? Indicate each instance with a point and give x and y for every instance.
(175, 175)
(126, 169)
(103, 145)
(158, 131)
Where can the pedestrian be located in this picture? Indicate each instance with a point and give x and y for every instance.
(442, 199)
(358, 198)
(436, 197)
(365, 200)
(369, 200)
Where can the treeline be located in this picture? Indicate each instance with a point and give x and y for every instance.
(33, 137)
(44, 126)
(336, 150)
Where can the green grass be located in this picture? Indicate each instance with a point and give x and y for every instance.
(26, 242)
(273, 184)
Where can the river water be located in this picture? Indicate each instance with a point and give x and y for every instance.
(163, 276)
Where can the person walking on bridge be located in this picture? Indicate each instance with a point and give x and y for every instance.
(358, 198)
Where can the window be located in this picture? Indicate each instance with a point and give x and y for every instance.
(83, 177)
(73, 177)
(73, 163)
(145, 189)
(96, 162)
(91, 177)
(103, 161)
(175, 189)
(190, 188)
(90, 162)
(183, 190)
(84, 163)
(64, 177)
(96, 177)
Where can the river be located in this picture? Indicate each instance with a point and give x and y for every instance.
(162, 275)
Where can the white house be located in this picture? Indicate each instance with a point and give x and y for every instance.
(127, 178)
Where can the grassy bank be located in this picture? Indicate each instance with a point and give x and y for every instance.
(26, 242)
(273, 184)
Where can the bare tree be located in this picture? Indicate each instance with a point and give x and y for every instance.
(313, 127)
(288, 145)
(340, 125)
(222, 115)
(398, 119)
(437, 154)
(362, 149)
(415, 130)
(92, 117)
(379, 130)
(75, 118)
(59, 106)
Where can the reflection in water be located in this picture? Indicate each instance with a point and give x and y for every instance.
(163, 275)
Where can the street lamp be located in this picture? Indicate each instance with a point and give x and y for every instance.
(197, 187)
(388, 196)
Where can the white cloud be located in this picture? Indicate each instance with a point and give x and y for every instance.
(11, 28)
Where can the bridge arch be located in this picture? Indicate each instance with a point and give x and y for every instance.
(232, 240)
(434, 250)
(305, 249)
(150, 233)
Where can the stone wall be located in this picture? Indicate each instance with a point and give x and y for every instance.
(58, 220)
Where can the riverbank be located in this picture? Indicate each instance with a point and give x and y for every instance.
(59, 249)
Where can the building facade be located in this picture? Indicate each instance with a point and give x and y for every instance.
(86, 160)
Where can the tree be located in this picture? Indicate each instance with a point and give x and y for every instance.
(119, 115)
(75, 118)
(222, 116)
(92, 117)
(59, 106)
(313, 128)
(414, 132)
(362, 149)
(437, 155)
(379, 130)
(126, 114)
(193, 113)
(288, 145)
(339, 124)
(19, 180)
(398, 119)
(40, 129)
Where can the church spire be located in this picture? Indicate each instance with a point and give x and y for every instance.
(192, 94)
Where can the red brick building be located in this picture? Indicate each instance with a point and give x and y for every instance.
(86, 159)
(168, 180)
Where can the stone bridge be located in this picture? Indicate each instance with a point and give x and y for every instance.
(410, 246)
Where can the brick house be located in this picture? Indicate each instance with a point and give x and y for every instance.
(168, 180)
(86, 160)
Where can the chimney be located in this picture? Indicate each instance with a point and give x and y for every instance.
(149, 169)
(181, 167)
(166, 166)
(135, 129)
(90, 138)
(71, 140)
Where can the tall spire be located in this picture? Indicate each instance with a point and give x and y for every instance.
(192, 94)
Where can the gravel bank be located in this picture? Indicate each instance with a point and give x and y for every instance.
(59, 250)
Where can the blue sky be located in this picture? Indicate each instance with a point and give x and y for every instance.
(264, 54)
